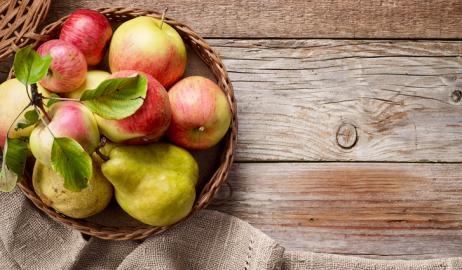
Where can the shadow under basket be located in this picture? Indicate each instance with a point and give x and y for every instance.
(214, 164)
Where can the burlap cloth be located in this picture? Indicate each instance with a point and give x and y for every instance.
(209, 240)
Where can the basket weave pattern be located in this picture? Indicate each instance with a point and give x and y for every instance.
(213, 61)
(18, 22)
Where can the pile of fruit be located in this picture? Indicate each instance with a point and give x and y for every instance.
(124, 131)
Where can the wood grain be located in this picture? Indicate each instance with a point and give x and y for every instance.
(301, 18)
(375, 210)
(294, 95)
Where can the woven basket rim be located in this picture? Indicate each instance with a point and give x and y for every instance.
(215, 64)
(19, 21)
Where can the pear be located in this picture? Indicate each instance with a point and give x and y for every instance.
(154, 183)
(91, 200)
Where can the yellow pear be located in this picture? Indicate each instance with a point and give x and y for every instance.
(91, 200)
(154, 183)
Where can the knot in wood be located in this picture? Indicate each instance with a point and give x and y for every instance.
(456, 95)
(346, 136)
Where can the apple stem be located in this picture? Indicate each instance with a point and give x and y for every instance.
(202, 129)
(163, 17)
(102, 143)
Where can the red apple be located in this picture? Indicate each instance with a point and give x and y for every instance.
(68, 67)
(146, 44)
(89, 31)
(148, 123)
(200, 113)
(68, 119)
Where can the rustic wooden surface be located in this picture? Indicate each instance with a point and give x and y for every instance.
(302, 18)
(294, 95)
(378, 210)
(345, 146)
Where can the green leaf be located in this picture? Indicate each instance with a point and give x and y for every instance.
(31, 118)
(70, 160)
(52, 101)
(14, 161)
(117, 98)
(29, 66)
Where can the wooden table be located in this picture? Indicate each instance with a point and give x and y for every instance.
(350, 119)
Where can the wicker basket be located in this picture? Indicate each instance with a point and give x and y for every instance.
(213, 61)
(18, 22)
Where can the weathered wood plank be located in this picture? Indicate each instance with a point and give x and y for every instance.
(399, 211)
(302, 19)
(294, 95)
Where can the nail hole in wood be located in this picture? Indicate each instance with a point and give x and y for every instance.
(456, 95)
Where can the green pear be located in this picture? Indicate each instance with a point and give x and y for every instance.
(91, 200)
(154, 183)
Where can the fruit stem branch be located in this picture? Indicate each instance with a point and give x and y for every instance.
(43, 121)
(16, 118)
(163, 17)
(102, 143)
(28, 94)
(61, 99)
(40, 106)
(37, 101)
(27, 86)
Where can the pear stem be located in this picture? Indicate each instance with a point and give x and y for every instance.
(163, 17)
(102, 143)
